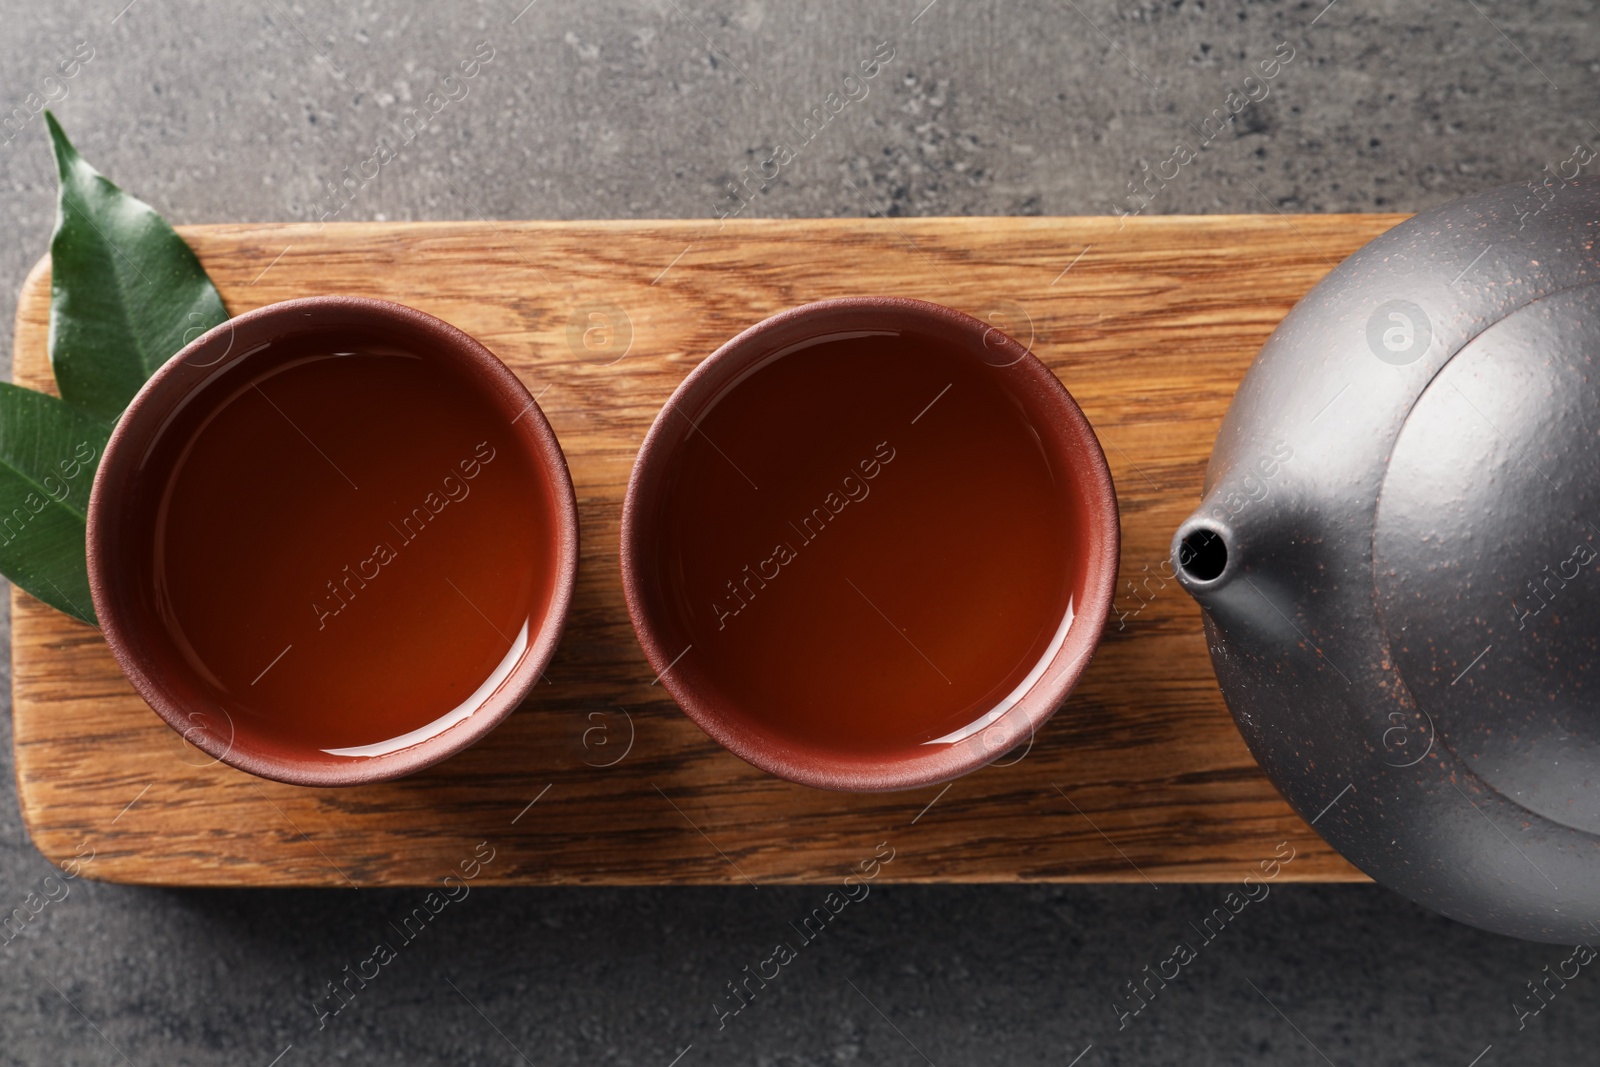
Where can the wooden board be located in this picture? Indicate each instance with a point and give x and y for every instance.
(1141, 776)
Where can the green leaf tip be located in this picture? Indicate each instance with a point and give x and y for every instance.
(66, 155)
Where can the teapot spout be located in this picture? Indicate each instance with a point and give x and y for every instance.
(1236, 552)
(1209, 557)
(1253, 535)
(1202, 554)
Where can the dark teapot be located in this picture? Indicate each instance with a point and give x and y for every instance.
(1398, 559)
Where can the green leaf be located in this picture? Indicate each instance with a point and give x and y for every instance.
(49, 452)
(126, 292)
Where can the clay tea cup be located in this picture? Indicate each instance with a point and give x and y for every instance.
(332, 541)
(870, 544)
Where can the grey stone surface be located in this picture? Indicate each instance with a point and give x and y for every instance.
(602, 109)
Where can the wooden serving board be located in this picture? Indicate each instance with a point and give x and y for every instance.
(598, 778)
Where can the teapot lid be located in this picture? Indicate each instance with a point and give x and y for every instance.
(1486, 552)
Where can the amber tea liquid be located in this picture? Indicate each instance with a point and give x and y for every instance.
(865, 546)
(352, 551)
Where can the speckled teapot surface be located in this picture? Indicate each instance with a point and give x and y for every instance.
(1398, 559)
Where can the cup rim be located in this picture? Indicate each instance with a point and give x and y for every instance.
(715, 714)
(118, 474)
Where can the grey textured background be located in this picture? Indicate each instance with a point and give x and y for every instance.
(605, 109)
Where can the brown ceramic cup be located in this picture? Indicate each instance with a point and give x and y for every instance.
(670, 620)
(218, 716)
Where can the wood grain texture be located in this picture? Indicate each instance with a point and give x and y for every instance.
(1141, 775)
